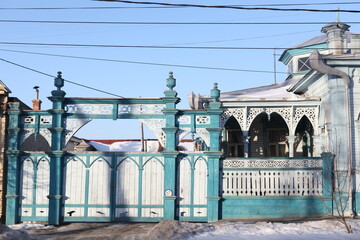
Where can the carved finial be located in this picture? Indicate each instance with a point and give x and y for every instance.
(215, 92)
(171, 81)
(59, 83)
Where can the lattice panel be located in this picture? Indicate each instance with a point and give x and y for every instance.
(237, 113)
(102, 109)
(280, 163)
(285, 113)
(309, 112)
(140, 109)
(272, 183)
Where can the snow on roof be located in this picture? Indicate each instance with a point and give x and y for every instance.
(315, 40)
(270, 92)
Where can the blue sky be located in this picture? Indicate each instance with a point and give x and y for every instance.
(135, 80)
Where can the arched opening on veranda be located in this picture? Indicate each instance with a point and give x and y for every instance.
(304, 142)
(233, 142)
(268, 136)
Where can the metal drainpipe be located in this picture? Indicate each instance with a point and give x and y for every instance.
(317, 64)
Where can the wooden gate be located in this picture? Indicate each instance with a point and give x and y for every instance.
(192, 187)
(114, 187)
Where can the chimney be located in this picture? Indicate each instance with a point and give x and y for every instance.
(36, 102)
(336, 37)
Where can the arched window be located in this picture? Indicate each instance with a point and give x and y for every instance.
(234, 140)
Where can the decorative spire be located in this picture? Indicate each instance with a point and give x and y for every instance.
(59, 83)
(171, 81)
(338, 15)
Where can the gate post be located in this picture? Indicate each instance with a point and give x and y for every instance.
(214, 156)
(57, 153)
(13, 172)
(170, 153)
(170, 185)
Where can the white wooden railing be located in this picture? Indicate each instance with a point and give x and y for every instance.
(283, 177)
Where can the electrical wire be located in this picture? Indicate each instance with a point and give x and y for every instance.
(166, 23)
(52, 76)
(158, 47)
(144, 63)
(238, 5)
(233, 7)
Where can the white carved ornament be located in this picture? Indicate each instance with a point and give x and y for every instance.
(281, 163)
(202, 119)
(140, 109)
(72, 125)
(204, 134)
(285, 113)
(46, 134)
(309, 112)
(102, 109)
(181, 133)
(237, 113)
(156, 125)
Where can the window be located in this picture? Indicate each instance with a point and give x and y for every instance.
(303, 64)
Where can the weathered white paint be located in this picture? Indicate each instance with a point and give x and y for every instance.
(184, 180)
(183, 212)
(99, 181)
(127, 182)
(26, 212)
(200, 212)
(73, 212)
(27, 180)
(75, 182)
(42, 212)
(42, 183)
(152, 212)
(200, 182)
(99, 212)
(153, 182)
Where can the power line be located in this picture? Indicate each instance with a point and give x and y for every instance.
(52, 76)
(233, 7)
(149, 7)
(144, 63)
(165, 23)
(156, 46)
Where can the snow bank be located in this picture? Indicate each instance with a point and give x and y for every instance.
(7, 233)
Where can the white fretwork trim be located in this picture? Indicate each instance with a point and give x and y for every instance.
(45, 119)
(29, 120)
(141, 109)
(281, 163)
(356, 75)
(72, 125)
(202, 119)
(204, 134)
(181, 133)
(237, 113)
(46, 134)
(285, 113)
(103, 109)
(310, 112)
(156, 125)
(25, 133)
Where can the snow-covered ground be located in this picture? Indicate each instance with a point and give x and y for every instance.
(323, 229)
(225, 229)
